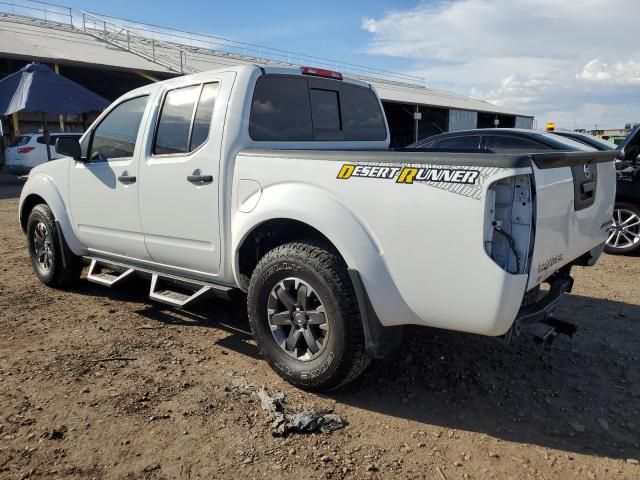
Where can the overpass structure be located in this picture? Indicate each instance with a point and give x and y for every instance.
(112, 55)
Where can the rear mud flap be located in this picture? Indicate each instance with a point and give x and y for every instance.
(379, 340)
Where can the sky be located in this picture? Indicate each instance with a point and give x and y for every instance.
(575, 62)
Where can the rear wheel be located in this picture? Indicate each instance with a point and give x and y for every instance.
(624, 233)
(45, 249)
(304, 316)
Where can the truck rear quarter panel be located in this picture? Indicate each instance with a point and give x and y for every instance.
(418, 246)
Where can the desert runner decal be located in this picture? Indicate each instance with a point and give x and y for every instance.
(467, 181)
(410, 174)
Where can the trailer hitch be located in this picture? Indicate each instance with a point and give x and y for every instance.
(546, 330)
(537, 322)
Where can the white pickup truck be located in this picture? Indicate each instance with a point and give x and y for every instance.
(279, 182)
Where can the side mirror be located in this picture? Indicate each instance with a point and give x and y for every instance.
(69, 147)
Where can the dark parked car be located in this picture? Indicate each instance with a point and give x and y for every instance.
(625, 230)
(629, 147)
(500, 140)
(595, 142)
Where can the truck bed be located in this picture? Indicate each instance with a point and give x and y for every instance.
(421, 226)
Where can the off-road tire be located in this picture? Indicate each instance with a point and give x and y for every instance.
(344, 357)
(58, 275)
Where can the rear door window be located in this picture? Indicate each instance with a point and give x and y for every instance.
(20, 140)
(175, 121)
(291, 108)
(551, 141)
(469, 142)
(185, 119)
(515, 144)
(204, 113)
(588, 140)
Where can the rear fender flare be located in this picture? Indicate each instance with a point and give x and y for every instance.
(337, 222)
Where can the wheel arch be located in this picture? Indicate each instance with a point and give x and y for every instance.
(316, 210)
(280, 213)
(628, 199)
(366, 263)
(42, 189)
(268, 235)
(26, 206)
(379, 341)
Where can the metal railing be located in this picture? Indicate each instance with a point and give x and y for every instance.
(182, 51)
(47, 12)
(161, 52)
(201, 45)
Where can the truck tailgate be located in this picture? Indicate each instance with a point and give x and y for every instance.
(575, 194)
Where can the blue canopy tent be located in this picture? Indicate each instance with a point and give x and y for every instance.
(37, 88)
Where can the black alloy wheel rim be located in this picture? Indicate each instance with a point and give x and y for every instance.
(298, 319)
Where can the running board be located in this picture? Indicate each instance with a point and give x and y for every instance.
(172, 297)
(109, 279)
(166, 288)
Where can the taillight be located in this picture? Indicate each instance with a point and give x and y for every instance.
(26, 149)
(321, 72)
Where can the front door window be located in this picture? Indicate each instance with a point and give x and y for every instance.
(115, 136)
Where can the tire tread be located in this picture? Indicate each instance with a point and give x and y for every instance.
(324, 260)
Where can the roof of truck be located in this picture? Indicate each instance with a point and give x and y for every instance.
(204, 76)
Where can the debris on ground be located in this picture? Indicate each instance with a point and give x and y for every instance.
(55, 434)
(285, 422)
(240, 386)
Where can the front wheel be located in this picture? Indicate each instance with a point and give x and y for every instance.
(46, 249)
(304, 316)
(624, 233)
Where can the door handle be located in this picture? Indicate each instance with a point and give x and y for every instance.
(126, 179)
(200, 178)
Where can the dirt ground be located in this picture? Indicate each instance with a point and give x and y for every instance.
(447, 406)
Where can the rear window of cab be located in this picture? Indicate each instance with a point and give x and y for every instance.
(294, 108)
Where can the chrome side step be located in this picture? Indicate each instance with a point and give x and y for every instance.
(173, 297)
(97, 275)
